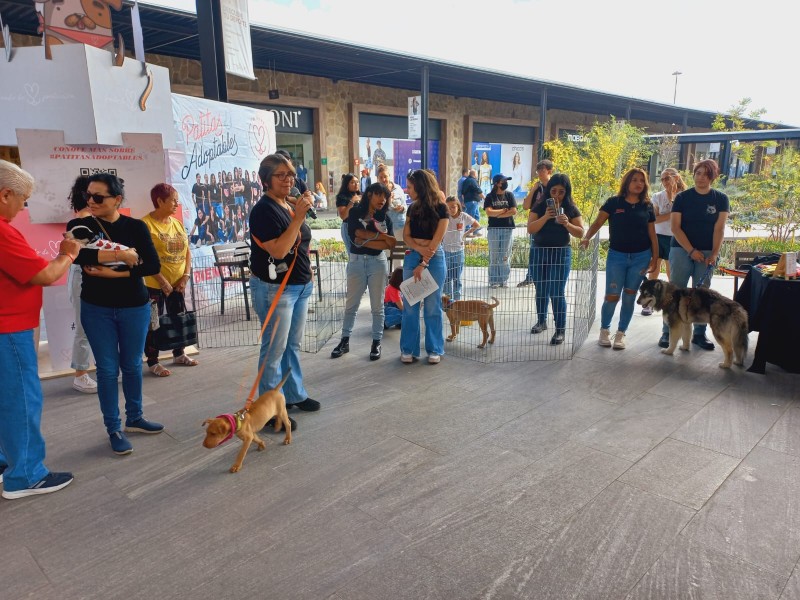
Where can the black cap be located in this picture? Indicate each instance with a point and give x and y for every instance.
(500, 177)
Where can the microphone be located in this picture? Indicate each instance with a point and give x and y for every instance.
(296, 193)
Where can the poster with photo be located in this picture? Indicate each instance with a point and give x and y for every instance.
(400, 155)
(486, 163)
(516, 161)
(373, 152)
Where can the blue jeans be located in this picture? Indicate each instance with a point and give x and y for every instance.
(681, 269)
(471, 208)
(529, 274)
(500, 239)
(432, 311)
(550, 272)
(284, 351)
(81, 352)
(398, 220)
(365, 271)
(217, 208)
(454, 262)
(21, 441)
(624, 274)
(117, 336)
(345, 239)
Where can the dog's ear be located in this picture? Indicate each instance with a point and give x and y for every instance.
(206, 422)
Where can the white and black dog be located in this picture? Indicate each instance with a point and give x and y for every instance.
(90, 240)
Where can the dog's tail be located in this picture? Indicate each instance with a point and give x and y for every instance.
(282, 381)
(496, 302)
(741, 334)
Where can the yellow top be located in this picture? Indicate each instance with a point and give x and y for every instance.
(171, 244)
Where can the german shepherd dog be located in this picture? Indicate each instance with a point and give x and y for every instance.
(682, 307)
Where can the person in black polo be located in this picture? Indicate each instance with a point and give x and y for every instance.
(633, 251)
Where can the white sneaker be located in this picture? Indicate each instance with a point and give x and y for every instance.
(605, 338)
(85, 384)
(434, 359)
(406, 358)
(619, 341)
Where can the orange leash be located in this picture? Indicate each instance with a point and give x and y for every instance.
(252, 395)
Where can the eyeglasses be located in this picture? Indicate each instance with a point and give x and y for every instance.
(96, 198)
(284, 176)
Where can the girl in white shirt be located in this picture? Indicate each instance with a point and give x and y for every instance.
(459, 224)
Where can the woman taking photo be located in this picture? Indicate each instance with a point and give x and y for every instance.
(115, 306)
(347, 197)
(551, 223)
(698, 222)
(280, 237)
(633, 251)
(426, 224)
(171, 243)
(371, 233)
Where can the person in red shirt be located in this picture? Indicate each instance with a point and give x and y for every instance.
(22, 275)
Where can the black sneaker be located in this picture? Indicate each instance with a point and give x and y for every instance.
(343, 347)
(539, 328)
(307, 405)
(703, 342)
(558, 338)
(142, 425)
(271, 424)
(375, 351)
(663, 341)
(52, 482)
(119, 443)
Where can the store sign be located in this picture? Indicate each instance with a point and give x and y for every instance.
(572, 135)
(290, 119)
(414, 117)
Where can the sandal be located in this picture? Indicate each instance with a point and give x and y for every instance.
(184, 360)
(160, 370)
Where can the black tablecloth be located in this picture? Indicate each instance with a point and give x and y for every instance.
(773, 308)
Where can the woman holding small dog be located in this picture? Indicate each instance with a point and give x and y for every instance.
(698, 222)
(279, 237)
(426, 224)
(633, 251)
(115, 306)
(172, 245)
(370, 230)
(552, 223)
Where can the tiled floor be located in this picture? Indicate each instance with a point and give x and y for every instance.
(613, 475)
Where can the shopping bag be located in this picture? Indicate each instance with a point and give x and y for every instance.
(177, 326)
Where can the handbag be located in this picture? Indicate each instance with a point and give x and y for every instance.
(177, 326)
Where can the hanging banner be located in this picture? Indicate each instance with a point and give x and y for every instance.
(236, 38)
(55, 165)
(414, 118)
(215, 167)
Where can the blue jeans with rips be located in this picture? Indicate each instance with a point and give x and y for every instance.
(550, 272)
(432, 310)
(681, 269)
(500, 240)
(365, 271)
(117, 336)
(21, 442)
(284, 351)
(454, 263)
(624, 275)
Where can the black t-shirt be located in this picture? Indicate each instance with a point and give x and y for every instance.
(358, 219)
(538, 194)
(421, 227)
(344, 199)
(198, 191)
(628, 224)
(552, 234)
(699, 214)
(248, 190)
(503, 202)
(122, 292)
(471, 190)
(214, 193)
(268, 220)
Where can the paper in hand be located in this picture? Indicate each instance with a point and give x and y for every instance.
(414, 291)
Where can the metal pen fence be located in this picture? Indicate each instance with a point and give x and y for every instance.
(237, 324)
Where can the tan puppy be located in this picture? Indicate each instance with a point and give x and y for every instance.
(245, 424)
(470, 310)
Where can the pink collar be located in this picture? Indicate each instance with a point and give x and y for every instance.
(232, 420)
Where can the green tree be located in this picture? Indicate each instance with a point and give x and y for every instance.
(596, 164)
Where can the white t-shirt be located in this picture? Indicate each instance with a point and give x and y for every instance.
(454, 236)
(664, 206)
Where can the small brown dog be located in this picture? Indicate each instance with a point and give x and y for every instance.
(245, 424)
(470, 310)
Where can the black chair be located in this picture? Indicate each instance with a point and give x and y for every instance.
(397, 253)
(233, 264)
(316, 272)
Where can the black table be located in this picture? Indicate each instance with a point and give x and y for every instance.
(773, 309)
